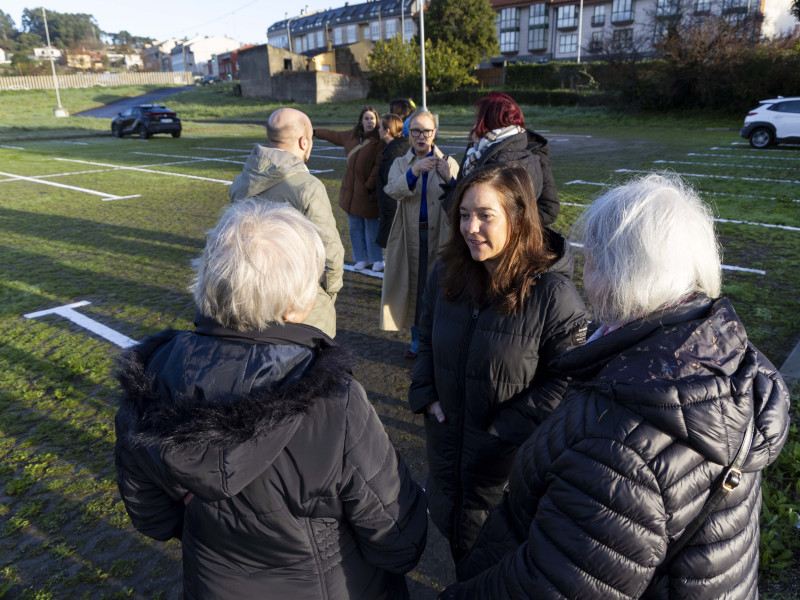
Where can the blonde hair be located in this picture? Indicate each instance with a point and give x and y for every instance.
(648, 244)
(261, 261)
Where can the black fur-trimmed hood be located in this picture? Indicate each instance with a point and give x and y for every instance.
(211, 439)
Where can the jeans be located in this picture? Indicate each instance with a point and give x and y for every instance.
(362, 238)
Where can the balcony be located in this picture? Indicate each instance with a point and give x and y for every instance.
(622, 17)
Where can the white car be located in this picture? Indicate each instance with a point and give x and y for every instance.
(774, 121)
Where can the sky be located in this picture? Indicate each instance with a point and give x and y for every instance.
(243, 20)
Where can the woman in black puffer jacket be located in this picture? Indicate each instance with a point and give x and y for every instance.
(661, 399)
(498, 306)
(249, 440)
(499, 136)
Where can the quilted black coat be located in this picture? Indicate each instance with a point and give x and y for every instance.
(298, 491)
(488, 369)
(656, 411)
(532, 151)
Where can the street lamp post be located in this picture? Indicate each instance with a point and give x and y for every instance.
(580, 30)
(422, 49)
(60, 111)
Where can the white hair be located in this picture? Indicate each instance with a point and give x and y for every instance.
(648, 244)
(261, 261)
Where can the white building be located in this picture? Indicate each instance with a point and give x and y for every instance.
(194, 55)
(4, 58)
(312, 34)
(541, 31)
(45, 53)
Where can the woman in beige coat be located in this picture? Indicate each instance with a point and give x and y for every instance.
(419, 228)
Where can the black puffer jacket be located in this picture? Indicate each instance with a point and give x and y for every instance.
(299, 492)
(598, 493)
(532, 151)
(387, 205)
(487, 368)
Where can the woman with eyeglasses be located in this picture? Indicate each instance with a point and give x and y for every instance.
(419, 229)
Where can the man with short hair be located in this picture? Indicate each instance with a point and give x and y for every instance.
(278, 173)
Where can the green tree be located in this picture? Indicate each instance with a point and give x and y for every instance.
(66, 29)
(394, 68)
(465, 26)
(7, 29)
(446, 69)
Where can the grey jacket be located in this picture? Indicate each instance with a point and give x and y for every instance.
(280, 176)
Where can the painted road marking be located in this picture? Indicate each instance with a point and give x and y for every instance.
(67, 312)
(199, 158)
(715, 176)
(86, 162)
(704, 164)
(11, 147)
(742, 156)
(69, 187)
(585, 182)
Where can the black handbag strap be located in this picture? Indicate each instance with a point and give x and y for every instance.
(727, 482)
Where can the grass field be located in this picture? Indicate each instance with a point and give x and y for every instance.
(89, 218)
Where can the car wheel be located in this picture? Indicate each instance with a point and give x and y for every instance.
(176, 134)
(116, 131)
(143, 133)
(761, 138)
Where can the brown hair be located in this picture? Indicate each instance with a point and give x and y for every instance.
(393, 124)
(358, 130)
(525, 255)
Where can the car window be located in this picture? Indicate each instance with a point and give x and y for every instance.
(792, 106)
(127, 113)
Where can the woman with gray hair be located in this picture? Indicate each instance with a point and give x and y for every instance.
(646, 481)
(249, 440)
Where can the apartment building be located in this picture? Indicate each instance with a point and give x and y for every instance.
(323, 31)
(566, 30)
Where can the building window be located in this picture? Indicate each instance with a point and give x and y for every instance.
(537, 38)
(568, 44)
(409, 28)
(567, 16)
(376, 30)
(509, 19)
(320, 39)
(621, 11)
(338, 36)
(734, 6)
(391, 28)
(622, 39)
(596, 43)
(599, 15)
(667, 8)
(509, 42)
(539, 15)
(352, 34)
(703, 6)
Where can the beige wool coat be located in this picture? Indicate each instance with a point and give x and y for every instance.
(399, 294)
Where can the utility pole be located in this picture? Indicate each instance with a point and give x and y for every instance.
(422, 49)
(580, 30)
(60, 111)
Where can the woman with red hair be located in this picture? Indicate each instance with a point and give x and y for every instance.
(500, 136)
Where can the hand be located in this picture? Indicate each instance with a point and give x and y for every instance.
(435, 409)
(443, 167)
(188, 498)
(426, 164)
(493, 431)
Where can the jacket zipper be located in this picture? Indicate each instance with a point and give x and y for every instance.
(462, 375)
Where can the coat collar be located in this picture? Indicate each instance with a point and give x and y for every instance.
(281, 334)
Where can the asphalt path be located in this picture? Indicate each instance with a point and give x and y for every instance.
(109, 111)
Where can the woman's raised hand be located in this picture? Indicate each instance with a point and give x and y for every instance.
(435, 409)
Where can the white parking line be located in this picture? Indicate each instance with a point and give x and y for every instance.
(222, 149)
(704, 164)
(68, 187)
(742, 156)
(11, 147)
(704, 175)
(585, 182)
(222, 181)
(103, 331)
(78, 143)
(199, 158)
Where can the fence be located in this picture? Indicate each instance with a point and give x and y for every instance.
(83, 80)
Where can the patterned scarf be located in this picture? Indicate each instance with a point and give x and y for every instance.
(492, 137)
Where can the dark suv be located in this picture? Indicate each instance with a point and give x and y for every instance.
(145, 120)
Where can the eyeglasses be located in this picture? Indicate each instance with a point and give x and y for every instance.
(426, 133)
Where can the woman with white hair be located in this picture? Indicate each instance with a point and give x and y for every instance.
(249, 440)
(646, 481)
